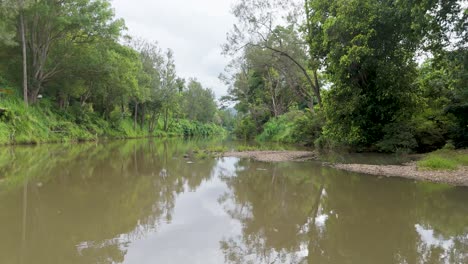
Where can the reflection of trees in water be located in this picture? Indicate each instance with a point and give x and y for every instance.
(286, 217)
(86, 202)
(273, 206)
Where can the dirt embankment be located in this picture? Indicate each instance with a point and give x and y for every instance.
(457, 177)
(273, 156)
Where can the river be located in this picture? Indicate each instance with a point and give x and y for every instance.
(141, 201)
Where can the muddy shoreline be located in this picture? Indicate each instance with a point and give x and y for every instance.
(457, 177)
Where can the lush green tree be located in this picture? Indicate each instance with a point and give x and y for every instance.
(444, 97)
(368, 49)
(260, 24)
(93, 80)
(169, 89)
(152, 59)
(198, 102)
(51, 23)
(8, 11)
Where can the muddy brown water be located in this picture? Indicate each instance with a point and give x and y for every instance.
(141, 201)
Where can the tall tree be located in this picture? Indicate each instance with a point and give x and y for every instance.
(50, 22)
(199, 102)
(169, 92)
(368, 48)
(259, 25)
(24, 53)
(9, 9)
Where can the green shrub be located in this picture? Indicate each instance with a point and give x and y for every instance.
(246, 128)
(308, 129)
(398, 137)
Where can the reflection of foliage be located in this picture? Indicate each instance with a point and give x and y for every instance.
(111, 194)
(367, 219)
(274, 206)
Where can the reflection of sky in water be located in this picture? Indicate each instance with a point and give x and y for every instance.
(429, 241)
(321, 218)
(199, 222)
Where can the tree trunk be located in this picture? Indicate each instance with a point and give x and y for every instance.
(33, 94)
(151, 123)
(25, 62)
(142, 119)
(317, 88)
(135, 117)
(166, 113)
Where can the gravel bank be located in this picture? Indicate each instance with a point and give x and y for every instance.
(410, 171)
(273, 156)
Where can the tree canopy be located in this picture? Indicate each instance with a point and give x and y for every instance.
(361, 59)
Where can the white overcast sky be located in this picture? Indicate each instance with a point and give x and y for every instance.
(193, 29)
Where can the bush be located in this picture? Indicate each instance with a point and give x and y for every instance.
(281, 129)
(189, 128)
(245, 128)
(398, 137)
(308, 129)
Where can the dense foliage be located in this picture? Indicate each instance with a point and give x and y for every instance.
(369, 75)
(81, 78)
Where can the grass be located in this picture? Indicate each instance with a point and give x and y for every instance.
(444, 160)
(208, 152)
(44, 123)
(217, 149)
(263, 147)
(250, 148)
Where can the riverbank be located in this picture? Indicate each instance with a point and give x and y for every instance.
(458, 177)
(43, 123)
(414, 170)
(273, 156)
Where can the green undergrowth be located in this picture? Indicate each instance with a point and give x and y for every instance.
(294, 127)
(444, 159)
(43, 123)
(281, 129)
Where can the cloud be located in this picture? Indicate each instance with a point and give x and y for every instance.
(193, 29)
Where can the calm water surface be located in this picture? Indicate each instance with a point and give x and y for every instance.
(142, 202)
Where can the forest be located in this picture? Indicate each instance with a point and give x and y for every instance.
(70, 72)
(362, 75)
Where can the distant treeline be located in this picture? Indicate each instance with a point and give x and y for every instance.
(81, 77)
